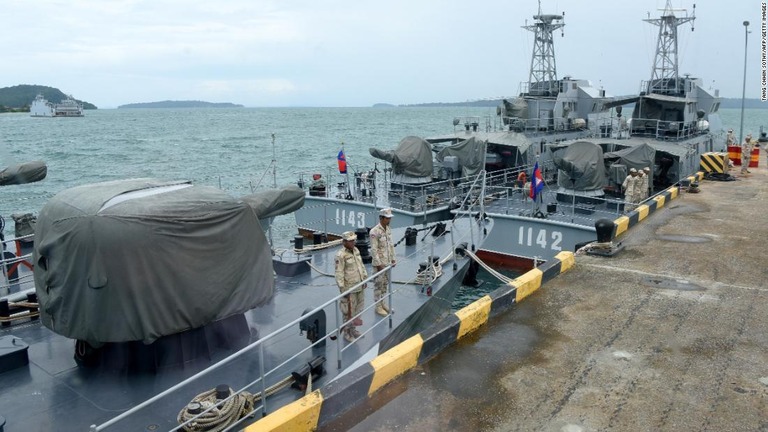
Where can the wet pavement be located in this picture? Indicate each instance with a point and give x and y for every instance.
(670, 334)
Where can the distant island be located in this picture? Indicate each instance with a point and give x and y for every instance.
(19, 98)
(180, 104)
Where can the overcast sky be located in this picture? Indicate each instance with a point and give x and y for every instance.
(275, 53)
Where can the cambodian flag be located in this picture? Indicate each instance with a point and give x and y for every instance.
(342, 160)
(537, 182)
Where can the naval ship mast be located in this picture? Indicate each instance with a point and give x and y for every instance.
(542, 80)
(664, 74)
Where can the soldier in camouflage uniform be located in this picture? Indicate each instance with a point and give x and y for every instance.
(350, 271)
(383, 252)
(746, 154)
(645, 183)
(629, 186)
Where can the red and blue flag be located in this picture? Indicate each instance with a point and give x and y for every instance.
(342, 160)
(537, 182)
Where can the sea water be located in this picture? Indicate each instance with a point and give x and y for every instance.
(238, 150)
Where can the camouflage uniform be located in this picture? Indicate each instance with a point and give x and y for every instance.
(644, 184)
(350, 271)
(746, 154)
(383, 252)
(641, 187)
(629, 186)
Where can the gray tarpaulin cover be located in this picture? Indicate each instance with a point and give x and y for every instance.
(27, 172)
(637, 157)
(142, 258)
(413, 157)
(471, 155)
(583, 161)
(274, 202)
(518, 107)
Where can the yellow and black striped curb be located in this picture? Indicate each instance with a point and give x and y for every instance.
(623, 223)
(323, 405)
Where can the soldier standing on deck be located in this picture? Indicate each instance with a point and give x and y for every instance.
(645, 183)
(350, 271)
(746, 153)
(383, 252)
(730, 140)
(629, 186)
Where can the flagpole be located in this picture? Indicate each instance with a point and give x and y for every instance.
(346, 172)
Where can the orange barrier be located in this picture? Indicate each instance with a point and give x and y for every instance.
(734, 154)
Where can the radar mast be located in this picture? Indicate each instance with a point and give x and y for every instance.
(665, 73)
(542, 80)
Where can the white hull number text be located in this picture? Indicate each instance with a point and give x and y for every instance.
(527, 237)
(350, 218)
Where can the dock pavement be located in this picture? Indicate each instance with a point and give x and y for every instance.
(670, 334)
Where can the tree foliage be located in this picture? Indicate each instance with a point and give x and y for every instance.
(20, 97)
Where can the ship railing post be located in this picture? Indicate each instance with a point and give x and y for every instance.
(325, 219)
(339, 321)
(263, 382)
(389, 295)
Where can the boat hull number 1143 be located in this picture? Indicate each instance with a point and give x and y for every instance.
(540, 237)
(350, 218)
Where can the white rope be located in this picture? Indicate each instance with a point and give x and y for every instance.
(494, 273)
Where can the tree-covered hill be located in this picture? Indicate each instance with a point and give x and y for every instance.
(18, 98)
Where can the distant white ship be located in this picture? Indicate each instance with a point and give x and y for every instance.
(66, 108)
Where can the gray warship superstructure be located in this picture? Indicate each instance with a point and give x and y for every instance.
(675, 120)
(425, 178)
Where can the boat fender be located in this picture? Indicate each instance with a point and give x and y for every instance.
(470, 277)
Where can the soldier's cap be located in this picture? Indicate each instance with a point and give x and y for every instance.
(349, 235)
(632, 170)
(647, 169)
(730, 130)
(387, 213)
(749, 136)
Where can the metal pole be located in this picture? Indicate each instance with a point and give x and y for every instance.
(274, 183)
(744, 82)
(274, 163)
(389, 293)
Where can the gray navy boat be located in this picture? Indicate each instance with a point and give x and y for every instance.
(160, 305)
(671, 127)
(425, 179)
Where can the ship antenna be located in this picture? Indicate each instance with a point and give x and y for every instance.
(542, 80)
(665, 73)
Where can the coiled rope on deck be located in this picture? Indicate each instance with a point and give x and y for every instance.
(214, 415)
(221, 415)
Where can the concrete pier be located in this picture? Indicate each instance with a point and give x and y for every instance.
(671, 334)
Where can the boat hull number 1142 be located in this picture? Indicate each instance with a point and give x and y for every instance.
(540, 237)
(350, 218)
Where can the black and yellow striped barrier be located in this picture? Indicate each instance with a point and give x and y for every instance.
(714, 162)
(623, 223)
(329, 402)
